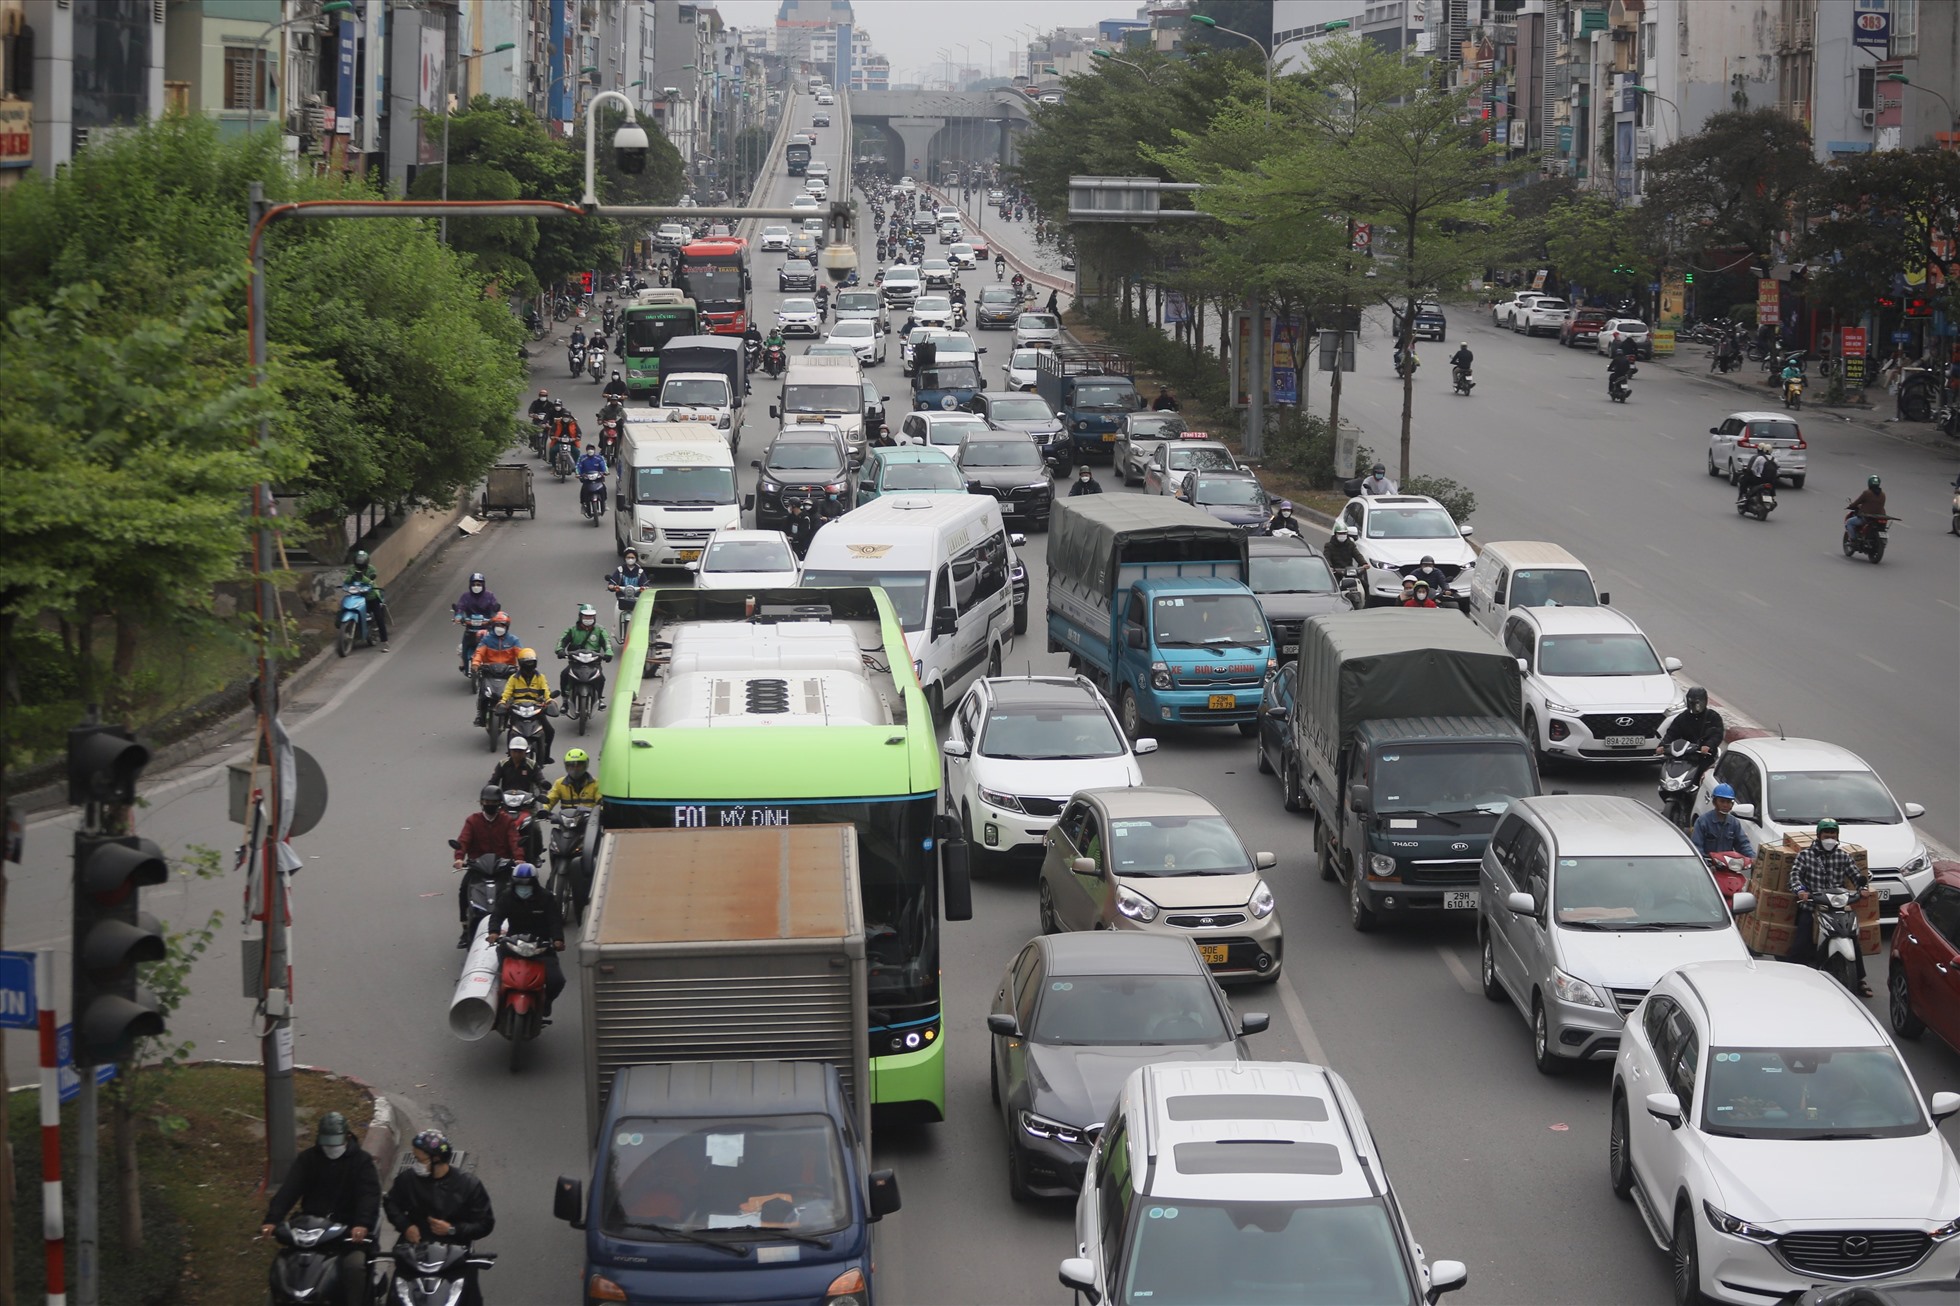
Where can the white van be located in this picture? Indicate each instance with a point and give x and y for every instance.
(707, 394)
(676, 485)
(827, 386)
(947, 562)
(1527, 574)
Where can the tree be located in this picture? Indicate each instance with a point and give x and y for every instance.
(1886, 214)
(1735, 184)
(1595, 242)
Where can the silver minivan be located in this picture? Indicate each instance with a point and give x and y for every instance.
(1584, 903)
(1527, 574)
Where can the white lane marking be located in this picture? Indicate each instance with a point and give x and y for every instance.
(1296, 1016)
(1459, 972)
(1759, 602)
(1944, 603)
(1875, 662)
(1514, 476)
(1661, 551)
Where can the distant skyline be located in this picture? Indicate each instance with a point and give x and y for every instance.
(911, 32)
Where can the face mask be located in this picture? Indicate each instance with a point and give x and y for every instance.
(476, 589)
(421, 1169)
(586, 623)
(1828, 845)
(333, 1150)
(491, 809)
(523, 890)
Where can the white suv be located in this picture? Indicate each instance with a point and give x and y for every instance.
(1396, 532)
(1594, 689)
(1505, 313)
(1772, 1139)
(1019, 747)
(1237, 1182)
(1543, 313)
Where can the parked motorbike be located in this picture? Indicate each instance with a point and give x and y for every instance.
(592, 495)
(1835, 925)
(1682, 764)
(582, 680)
(1868, 539)
(520, 990)
(355, 622)
(595, 365)
(575, 355)
(307, 1268)
(1461, 381)
(1758, 502)
(522, 805)
(521, 720)
(473, 627)
(431, 1273)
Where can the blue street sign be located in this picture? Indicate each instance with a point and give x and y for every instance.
(1902, 337)
(17, 1009)
(69, 1082)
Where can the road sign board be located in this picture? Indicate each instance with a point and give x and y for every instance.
(17, 1007)
(64, 1059)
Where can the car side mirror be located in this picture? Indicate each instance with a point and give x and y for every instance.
(1665, 1107)
(1944, 1105)
(1743, 811)
(1521, 904)
(1083, 865)
(1742, 904)
(568, 1200)
(1133, 636)
(1605, 599)
(1143, 746)
(1265, 861)
(1079, 1275)
(884, 1193)
(1524, 665)
(1360, 798)
(1445, 1276)
(1714, 430)
(1671, 664)
(756, 463)
(1497, 597)
(1913, 811)
(945, 622)
(954, 748)
(1466, 531)
(456, 845)
(1003, 1024)
(773, 411)
(748, 503)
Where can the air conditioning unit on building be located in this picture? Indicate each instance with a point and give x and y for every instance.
(1869, 117)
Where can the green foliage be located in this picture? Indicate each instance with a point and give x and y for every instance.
(1885, 213)
(1588, 236)
(1733, 185)
(1460, 501)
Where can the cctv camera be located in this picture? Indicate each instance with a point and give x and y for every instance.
(630, 148)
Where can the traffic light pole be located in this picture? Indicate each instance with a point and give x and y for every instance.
(88, 1191)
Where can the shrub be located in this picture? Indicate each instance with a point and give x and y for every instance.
(1457, 499)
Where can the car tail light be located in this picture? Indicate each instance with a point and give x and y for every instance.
(1745, 443)
(1801, 443)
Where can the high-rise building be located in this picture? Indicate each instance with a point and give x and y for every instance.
(797, 21)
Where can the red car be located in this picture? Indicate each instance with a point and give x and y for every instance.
(979, 243)
(1924, 989)
(1582, 328)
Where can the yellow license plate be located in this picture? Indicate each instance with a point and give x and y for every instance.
(1110, 438)
(1213, 953)
(1222, 702)
(690, 555)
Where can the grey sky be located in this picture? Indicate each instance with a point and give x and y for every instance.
(909, 32)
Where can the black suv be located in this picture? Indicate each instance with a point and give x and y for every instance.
(809, 464)
(796, 274)
(1007, 466)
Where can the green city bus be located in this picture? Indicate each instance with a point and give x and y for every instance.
(655, 316)
(799, 706)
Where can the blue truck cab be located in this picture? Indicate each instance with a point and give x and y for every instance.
(1148, 597)
(729, 1182)
(1091, 391)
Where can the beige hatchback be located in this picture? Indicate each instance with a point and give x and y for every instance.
(1162, 861)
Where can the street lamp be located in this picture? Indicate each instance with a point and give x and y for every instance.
(1107, 57)
(1212, 23)
(990, 58)
(259, 41)
(1904, 80)
(442, 224)
(1679, 131)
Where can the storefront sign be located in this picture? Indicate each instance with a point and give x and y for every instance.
(346, 59)
(1663, 341)
(16, 133)
(1871, 27)
(1852, 345)
(1768, 296)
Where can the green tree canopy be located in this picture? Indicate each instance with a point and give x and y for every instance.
(1886, 214)
(1733, 185)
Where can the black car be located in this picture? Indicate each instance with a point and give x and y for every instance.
(1008, 466)
(1292, 583)
(1277, 751)
(796, 274)
(807, 463)
(1017, 410)
(1074, 1015)
(998, 308)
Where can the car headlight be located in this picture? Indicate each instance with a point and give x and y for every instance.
(1570, 988)
(1261, 903)
(1735, 1228)
(1160, 676)
(1081, 426)
(1560, 708)
(648, 534)
(919, 670)
(1380, 864)
(1919, 861)
(1037, 485)
(1039, 1126)
(1135, 906)
(1006, 802)
(1946, 1231)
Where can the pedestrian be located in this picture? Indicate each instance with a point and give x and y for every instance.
(1054, 303)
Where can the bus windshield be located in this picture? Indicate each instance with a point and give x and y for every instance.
(715, 280)
(647, 329)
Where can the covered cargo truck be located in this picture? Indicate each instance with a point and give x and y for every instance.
(1147, 595)
(1405, 723)
(1090, 390)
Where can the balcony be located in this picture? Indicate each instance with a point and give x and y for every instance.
(1794, 34)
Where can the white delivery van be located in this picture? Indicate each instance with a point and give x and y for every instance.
(676, 485)
(1527, 574)
(707, 395)
(947, 562)
(828, 386)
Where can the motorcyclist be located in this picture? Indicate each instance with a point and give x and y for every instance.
(1085, 483)
(1406, 363)
(578, 786)
(1869, 503)
(563, 426)
(1716, 830)
(1824, 867)
(615, 388)
(490, 830)
(519, 770)
(629, 574)
(1462, 358)
(823, 301)
(477, 601)
(1427, 573)
(1000, 266)
(525, 908)
(1792, 371)
(593, 464)
(1282, 518)
(598, 344)
(1698, 723)
(1342, 552)
(1377, 482)
(1165, 402)
(434, 1200)
(541, 406)
(1420, 597)
(530, 686)
(497, 648)
(613, 409)
(585, 632)
(361, 572)
(801, 527)
(334, 1180)
(1620, 366)
(1759, 475)
(578, 338)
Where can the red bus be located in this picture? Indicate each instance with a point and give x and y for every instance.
(715, 275)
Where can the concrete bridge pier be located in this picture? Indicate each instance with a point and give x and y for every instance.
(915, 136)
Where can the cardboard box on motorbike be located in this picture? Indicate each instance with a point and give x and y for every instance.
(1771, 928)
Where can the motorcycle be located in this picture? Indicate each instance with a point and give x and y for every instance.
(520, 990)
(355, 621)
(1682, 765)
(1868, 539)
(1955, 527)
(522, 720)
(1619, 385)
(629, 595)
(1759, 501)
(540, 430)
(774, 360)
(1461, 381)
(490, 688)
(1351, 588)
(522, 805)
(575, 355)
(485, 877)
(564, 457)
(567, 854)
(1731, 872)
(595, 364)
(307, 1268)
(431, 1273)
(1835, 926)
(1793, 392)
(609, 441)
(473, 627)
(582, 680)
(592, 495)
(1726, 357)
(752, 355)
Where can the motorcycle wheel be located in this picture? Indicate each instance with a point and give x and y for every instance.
(584, 714)
(518, 1034)
(490, 730)
(1760, 512)
(343, 643)
(1849, 547)
(1877, 551)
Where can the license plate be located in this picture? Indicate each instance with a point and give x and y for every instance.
(1289, 648)
(1214, 954)
(1455, 899)
(1222, 702)
(1622, 741)
(1110, 438)
(690, 555)
(1006, 508)
(1884, 891)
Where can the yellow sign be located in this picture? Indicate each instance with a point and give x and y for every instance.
(1663, 341)
(16, 133)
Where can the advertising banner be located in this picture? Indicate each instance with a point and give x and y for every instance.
(1853, 344)
(1768, 296)
(343, 91)
(16, 133)
(1871, 27)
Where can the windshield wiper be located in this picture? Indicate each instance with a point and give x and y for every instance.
(1422, 811)
(669, 1231)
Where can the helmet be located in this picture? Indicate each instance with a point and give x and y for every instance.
(1422, 587)
(632, 554)
(527, 658)
(333, 1129)
(1463, 344)
(490, 796)
(1428, 559)
(1872, 481)
(476, 578)
(524, 871)
(434, 1144)
(360, 557)
(1286, 505)
(1379, 469)
(587, 613)
(1724, 791)
(577, 757)
(1697, 698)
(591, 447)
(615, 375)
(502, 616)
(1408, 582)
(519, 744)
(1827, 824)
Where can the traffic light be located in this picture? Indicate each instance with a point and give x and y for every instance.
(1688, 278)
(1918, 306)
(111, 939)
(103, 763)
(1887, 301)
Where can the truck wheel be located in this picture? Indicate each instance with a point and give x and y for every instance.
(1360, 915)
(1322, 853)
(1128, 714)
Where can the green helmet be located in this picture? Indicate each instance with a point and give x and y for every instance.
(333, 1129)
(1827, 825)
(361, 555)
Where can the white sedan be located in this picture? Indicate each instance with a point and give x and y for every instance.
(799, 316)
(1037, 329)
(775, 238)
(735, 559)
(1020, 368)
(1630, 329)
(863, 335)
